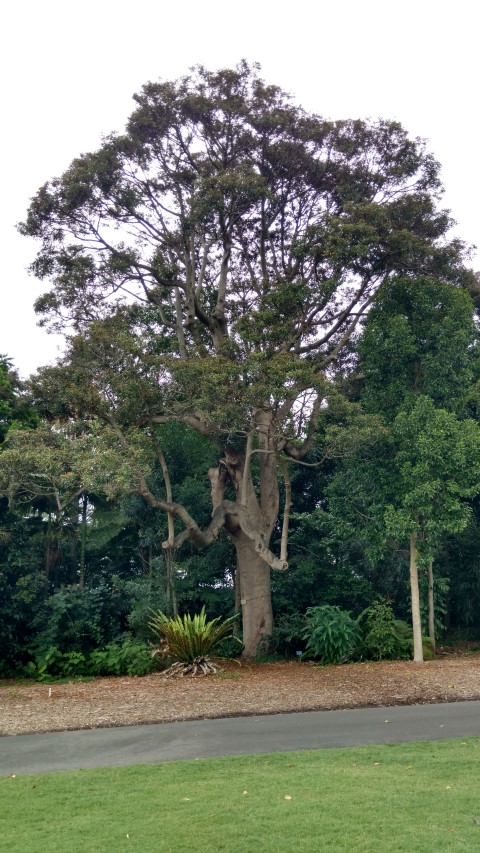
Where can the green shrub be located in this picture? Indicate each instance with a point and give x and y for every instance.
(382, 639)
(387, 638)
(331, 634)
(404, 633)
(81, 620)
(45, 666)
(72, 664)
(124, 657)
(142, 595)
(288, 634)
(229, 647)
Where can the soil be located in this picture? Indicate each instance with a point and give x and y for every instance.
(239, 690)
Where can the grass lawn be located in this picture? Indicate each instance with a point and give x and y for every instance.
(405, 797)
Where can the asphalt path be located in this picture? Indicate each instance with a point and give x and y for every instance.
(150, 744)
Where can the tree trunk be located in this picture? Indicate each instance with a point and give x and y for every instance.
(170, 583)
(255, 595)
(237, 626)
(251, 529)
(431, 607)
(415, 594)
(48, 549)
(83, 542)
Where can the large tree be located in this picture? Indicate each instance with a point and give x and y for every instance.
(215, 262)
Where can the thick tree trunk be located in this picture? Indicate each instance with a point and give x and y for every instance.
(431, 607)
(255, 595)
(415, 594)
(249, 521)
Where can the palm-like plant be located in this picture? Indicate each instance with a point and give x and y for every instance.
(189, 641)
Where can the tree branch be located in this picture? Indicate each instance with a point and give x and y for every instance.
(286, 511)
(290, 448)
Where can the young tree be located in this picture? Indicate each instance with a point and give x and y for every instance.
(215, 261)
(436, 467)
(419, 340)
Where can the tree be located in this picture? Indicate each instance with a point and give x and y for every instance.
(214, 262)
(46, 468)
(436, 467)
(419, 339)
(15, 407)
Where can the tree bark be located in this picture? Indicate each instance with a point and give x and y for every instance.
(255, 595)
(170, 582)
(415, 594)
(249, 522)
(431, 607)
(83, 541)
(237, 627)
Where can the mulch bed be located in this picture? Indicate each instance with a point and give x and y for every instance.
(263, 688)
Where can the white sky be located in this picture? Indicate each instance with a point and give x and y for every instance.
(69, 71)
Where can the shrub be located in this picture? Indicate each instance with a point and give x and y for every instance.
(45, 666)
(288, 633)
(141, 595)
(331, 634)
(387, 638)
(381, 637)
(77, 620)
(127, 657)
(123, 657)
(189, 641)
(229, 647)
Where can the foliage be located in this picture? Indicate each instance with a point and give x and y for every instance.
(189, 640)
(288, 634)
(441, 595)
(76, 620)
(332, 635)
(23, 591)
(16, 410)
(123, 657)
(405, 635)
(47, 463)
(437, 466)
(229, 647)
(419, 339)
(140, 596)
(383, 636)
(460, 563)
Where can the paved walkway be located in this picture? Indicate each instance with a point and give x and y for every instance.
(149, 744)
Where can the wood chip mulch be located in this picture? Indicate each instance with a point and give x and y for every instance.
(267, 688)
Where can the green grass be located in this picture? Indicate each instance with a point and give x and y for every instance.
(418, 798)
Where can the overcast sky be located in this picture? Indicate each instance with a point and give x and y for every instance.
(69, 71)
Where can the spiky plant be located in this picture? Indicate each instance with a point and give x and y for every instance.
(189, 641)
